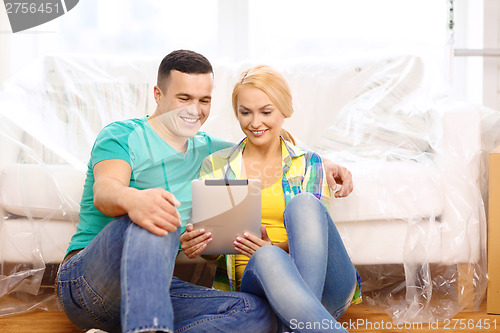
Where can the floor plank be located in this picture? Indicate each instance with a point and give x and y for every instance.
(37, 321)
(358, 318)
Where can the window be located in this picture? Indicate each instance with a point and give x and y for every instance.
(336, 27)
(148, 27)
(468, 32)
(239, 30)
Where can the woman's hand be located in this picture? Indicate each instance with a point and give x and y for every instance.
(193, 242)
(248, 243)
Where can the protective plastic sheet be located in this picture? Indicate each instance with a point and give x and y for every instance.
(50, 114)
(415, 224)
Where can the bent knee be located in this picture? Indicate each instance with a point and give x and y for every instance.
(268, 254)
(269, 251)
(304, 207)
(305, 198)
(305, 203)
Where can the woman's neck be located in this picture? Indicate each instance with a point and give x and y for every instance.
(263, 162)
(263, 152)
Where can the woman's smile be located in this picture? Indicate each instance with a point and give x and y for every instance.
(259, 132)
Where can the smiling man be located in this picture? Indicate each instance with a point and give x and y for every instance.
(117, 274)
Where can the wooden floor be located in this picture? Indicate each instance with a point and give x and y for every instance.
(358, 318)
(363, 319)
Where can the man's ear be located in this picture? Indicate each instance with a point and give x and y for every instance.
(157, 94)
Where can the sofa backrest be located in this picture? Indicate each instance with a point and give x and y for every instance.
(62, 102)
(52, 112)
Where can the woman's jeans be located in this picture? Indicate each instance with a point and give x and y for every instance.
(122, 281)
(313, 285)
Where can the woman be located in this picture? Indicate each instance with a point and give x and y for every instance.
(299, 263)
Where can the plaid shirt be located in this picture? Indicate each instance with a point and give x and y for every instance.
(302, 171)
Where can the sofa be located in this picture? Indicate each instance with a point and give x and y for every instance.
(414, 225)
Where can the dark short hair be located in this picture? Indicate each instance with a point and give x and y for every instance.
(184, 61)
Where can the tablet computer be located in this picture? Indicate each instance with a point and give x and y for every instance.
(227, 208)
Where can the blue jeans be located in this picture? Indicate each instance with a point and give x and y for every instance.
(122, 282)
(310, 288)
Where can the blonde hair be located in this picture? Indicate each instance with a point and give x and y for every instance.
(273, 84)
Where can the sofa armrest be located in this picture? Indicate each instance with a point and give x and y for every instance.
(458, 159)
(42, 191)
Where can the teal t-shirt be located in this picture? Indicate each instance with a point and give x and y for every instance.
(154, 163)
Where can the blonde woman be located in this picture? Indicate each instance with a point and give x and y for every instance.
(298, 263)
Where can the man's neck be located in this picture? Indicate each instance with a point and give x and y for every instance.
(177, 142)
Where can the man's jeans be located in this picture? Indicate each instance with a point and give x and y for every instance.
(122, 281)
(313, 285)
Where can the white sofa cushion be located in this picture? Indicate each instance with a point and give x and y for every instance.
(25, 240)
(392, 241)
(41, 191)
(390, 190)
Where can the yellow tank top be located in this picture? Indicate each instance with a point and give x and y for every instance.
(273, 206)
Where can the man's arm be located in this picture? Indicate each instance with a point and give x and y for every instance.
(152, 209)
(337, 174)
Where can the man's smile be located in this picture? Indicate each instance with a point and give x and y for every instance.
(190, 120)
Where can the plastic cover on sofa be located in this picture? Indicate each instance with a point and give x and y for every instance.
(50, 114)
(418, 159)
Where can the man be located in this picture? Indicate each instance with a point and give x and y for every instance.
(118, 269)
